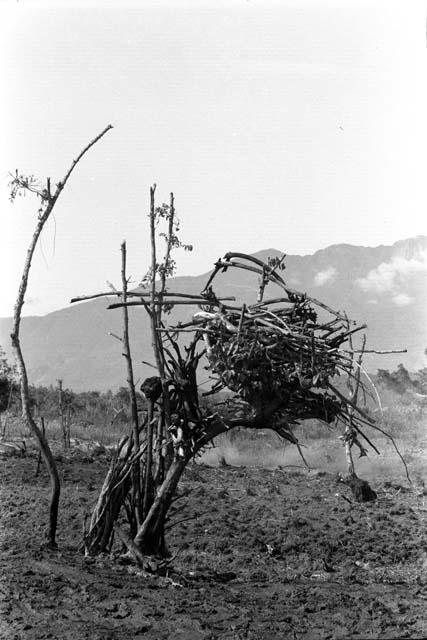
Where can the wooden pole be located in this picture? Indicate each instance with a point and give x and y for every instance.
(134, 294)
(164, 424)
(61, 414)
(148, 480)
(131, 385)
(353, 387)
(39, 457)
(156, 340)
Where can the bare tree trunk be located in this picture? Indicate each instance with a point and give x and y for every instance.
(45, 451)
(39, 457)
(150, 537)
(50, 201)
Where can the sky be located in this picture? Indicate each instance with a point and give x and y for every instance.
(291, 124)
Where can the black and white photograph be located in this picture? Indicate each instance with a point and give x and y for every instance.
(213, 319)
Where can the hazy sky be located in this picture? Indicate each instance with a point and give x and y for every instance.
(292, 124)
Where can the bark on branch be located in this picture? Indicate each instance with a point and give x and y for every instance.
(46, 453)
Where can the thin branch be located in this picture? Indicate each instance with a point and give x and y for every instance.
(187, 519)
(377, 351)
(127, 352)
(164, 303)
(79, 157)
(113, 335)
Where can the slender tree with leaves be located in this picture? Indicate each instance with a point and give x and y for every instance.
(48, 197)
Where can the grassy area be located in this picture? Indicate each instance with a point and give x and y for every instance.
(106, 435)
(403, 416)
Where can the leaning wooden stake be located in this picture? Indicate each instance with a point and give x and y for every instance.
(353, 385)
(48, 202)
(349, 433)
(39, 457)
(61, 415)
(136, 484)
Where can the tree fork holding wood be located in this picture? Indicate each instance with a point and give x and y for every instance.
(156, 454)
(277, 357)
(18, 184)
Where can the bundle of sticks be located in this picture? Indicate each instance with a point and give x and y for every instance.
(278, 355)
(277, 352)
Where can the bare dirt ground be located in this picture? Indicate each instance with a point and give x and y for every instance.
(261, 554)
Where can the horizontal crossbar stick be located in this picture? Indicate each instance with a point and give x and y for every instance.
(147, 295)
(97, 295)
(376, 351)
(171, 330)
(266, 302)
(158, 303)
(192, 296)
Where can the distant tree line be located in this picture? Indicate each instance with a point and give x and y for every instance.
(86, 407)
(97, 408)
(401, 381)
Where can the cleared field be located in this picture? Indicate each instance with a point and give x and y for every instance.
(261, 553)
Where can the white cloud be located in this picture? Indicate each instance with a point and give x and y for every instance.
(389, 276)
(325, 276)
(402, 299)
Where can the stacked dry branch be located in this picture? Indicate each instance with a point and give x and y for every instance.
(114, 494)
(276, 357)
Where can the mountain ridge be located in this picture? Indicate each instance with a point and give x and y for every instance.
(384, 286)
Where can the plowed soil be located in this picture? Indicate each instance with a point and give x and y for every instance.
(259, 554)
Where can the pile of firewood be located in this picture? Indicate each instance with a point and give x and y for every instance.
(276, 359)
(274, 354)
